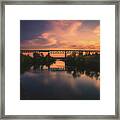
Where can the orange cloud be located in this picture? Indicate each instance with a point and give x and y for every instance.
(97, 31)
(67, 35)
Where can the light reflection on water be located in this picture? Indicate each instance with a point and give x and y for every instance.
(59, 85)
(58, 64)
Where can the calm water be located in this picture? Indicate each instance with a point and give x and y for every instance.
(59, 83)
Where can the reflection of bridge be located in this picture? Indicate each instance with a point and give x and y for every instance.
(50, 69)
(65, 52)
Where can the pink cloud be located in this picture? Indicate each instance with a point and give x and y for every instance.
(66, 34)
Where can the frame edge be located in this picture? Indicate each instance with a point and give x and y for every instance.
(2, 60)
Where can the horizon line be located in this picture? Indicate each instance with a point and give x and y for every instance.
(59, 49)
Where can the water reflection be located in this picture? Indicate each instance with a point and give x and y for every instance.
(60, 82)
(78, 72)
(60, 66)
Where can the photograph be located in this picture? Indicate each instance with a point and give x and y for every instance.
(60, 59)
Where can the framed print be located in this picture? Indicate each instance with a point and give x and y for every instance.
(60, 59)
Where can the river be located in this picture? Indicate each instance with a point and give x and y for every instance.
(58, 83)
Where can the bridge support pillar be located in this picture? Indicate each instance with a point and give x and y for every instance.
(89, 53)
(65, 54)
(65, 58)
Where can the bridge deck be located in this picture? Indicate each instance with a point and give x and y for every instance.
(59, 51)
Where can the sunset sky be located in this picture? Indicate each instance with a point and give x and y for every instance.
(60, 34)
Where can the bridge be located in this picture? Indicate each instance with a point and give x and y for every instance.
(65, 52)
(50, 69)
